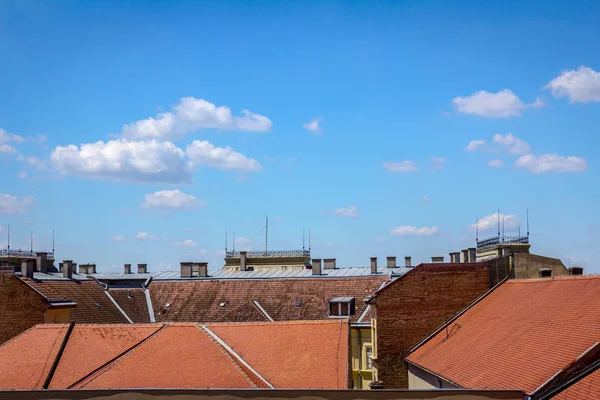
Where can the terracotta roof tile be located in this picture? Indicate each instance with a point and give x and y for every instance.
(45, 291)
(585, 389)
(231, 300)
(26, 359)
(133, 302)
(518, 336)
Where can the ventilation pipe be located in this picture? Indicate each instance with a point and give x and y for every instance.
(391, 262)
(316, 266)
(407, 261)
(243, 266)
(373, 265)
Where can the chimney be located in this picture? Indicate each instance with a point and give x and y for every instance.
(127, 269)
(391, 262)
(67, 269)
(41, 262)
(316, 266)
(186, 269)
(243, 261)
(576, 270)
(27, 268)
(93, 268)
(202, 269)
(472, 254)
(373, 265)
(142, 268)
(455, 257)
(437, 260)
(465, 255)
(329, 263)
(407, 262)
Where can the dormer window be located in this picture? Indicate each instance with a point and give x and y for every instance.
(341, 307)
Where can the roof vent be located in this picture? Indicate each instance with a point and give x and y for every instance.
(97, 305)
(129, 294)
(222, 304)
(298, 303)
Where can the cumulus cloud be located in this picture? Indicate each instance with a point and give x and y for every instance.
(437, 163)
(145, 236)
(6, 137)
(202, 152)
(579, 86)
(511, 143)
(186, 243)
(407, 230)
(190, 115)
(493, 105)
(551, 163)
(10, 205)
(495, 163)
(123, 160)
(314, 126)
(171, 199)
(7, 149)
(119, 238)
(401, 166)
(474, 145)
(349, 212)
(511, 221)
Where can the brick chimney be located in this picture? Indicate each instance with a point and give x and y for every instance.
(243, 266)
(472, 254)
(329, 263)
(186, 269)
(407, 262)
(27, 268)
(465, 255)
(391, 262)
(142, 268)
(373, 265)
(202, 269)
(316, 266)
(67, 269)
(127, 269)
(41, 262)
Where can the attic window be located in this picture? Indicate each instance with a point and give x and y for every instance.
(341, 307)
(223, 304)
(97, 305)
(298, 303)
(545, 273)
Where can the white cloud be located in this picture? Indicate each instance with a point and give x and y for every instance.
(493, 105)
(407, 230)
(242, 241)
(511, 221)
(551, 163)
(380, 240)
(350, 212)
(171, 199)
(123, 160)
(117, 238)
(580, 86)
(426, 199)
(145, 236)
(495, 163)
(437, 163)
(186, 243)
(474, 145)
(12, 205)
(314, 126)
(7, 149)
(202, 152)
(190, 115)
(401, 166)
(22, 175)
(6, 137)
(513, 144)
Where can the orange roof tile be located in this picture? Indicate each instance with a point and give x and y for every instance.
(585, 389)
(285, 354)
(518, 336)
(26, 359)
(45, 291)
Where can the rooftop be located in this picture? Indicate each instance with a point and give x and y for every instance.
(518, 336)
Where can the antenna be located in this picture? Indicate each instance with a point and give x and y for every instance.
(498, 222)
(302, 239)
(8, 237)
(233, 243)
(527, 223)
(503, 221)
(476, 230)
(266, 234)
(309, 240)
(225, 242)
(31, 241)
(52, 241)
(519, 230)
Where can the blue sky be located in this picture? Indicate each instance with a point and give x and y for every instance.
(141, 131)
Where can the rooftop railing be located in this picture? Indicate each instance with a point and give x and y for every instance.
(271, 253)
(18, 253)
(495, 241)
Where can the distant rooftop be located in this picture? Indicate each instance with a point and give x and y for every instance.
(499, 240)
(270, 253)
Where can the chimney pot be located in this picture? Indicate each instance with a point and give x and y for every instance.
(186, 269)
(243, 266)
(67, 269)
(465, 255)
(391, 262)
(407, 262)
(316, 266)
(41, 262)
(142, 268)
(202, 269)
(437, 259)
(455, 257)
(472, 254)
(27, 268)
(329, 263)
(373, 265)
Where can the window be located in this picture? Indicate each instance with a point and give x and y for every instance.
(368, 354)
(545, 273)
(341, 307)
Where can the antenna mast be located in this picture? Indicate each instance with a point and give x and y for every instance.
(303, 239)
(225, 242)
(31, 241)
(527, 223)
(8, 237)
(266, 235)
(477, 230)
(233, 242)
(309, 240)
(52, 241)
(498, 223)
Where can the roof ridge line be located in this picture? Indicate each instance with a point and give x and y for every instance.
(262, 310)
(236, 355)
(115, 359)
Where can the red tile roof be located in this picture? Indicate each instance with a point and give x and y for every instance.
(133, 302)
(45, 291)
(518, 336)
(585, 389)
(258, 355)
(231, 300)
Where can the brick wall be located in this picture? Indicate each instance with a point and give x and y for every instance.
(20, 307)
(415, 305)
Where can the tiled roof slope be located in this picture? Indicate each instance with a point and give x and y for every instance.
(133, 302)
(585, 389)
(224, 301)
(518, 336)
(45, 291)
(260, 355)
(93, 305)
(300, 345)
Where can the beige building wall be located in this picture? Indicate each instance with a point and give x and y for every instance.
(419, 379)
(527, 265)
(362, 349)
